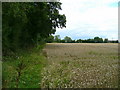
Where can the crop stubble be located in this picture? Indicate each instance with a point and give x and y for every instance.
(81, 65)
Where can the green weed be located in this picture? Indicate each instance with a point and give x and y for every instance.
(24, 71)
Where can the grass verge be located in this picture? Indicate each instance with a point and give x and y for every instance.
(23, 70)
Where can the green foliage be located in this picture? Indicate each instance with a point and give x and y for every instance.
(67, 39)
(57, 38)
(25, 28)
(29, 64)
(98, 40)
(27, 24)
(50, 39)
(73, 41)
(63, 41)
(79, 41)
(106, 40)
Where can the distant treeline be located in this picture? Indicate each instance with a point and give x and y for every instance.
(67, 39)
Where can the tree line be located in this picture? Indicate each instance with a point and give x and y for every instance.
(27, 24)
(67, 39)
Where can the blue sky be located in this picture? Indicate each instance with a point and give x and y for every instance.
(90, 18)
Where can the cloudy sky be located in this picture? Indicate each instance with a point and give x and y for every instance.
(90, 18)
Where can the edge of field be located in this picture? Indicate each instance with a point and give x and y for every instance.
(23, 70)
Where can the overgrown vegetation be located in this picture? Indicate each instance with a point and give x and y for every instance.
(25, 27)
(27, 24)
(24, 70)
(25, 30)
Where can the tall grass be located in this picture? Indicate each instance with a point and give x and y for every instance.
(23, 70)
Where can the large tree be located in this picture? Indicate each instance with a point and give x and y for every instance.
(24, 24)
(98, 40)
(106, 40)
(57, 38)
(67, 39)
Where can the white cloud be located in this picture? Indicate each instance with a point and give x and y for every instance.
(88, 18)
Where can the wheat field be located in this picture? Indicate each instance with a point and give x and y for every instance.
(80, 65)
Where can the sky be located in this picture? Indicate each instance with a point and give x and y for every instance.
(90, 18)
